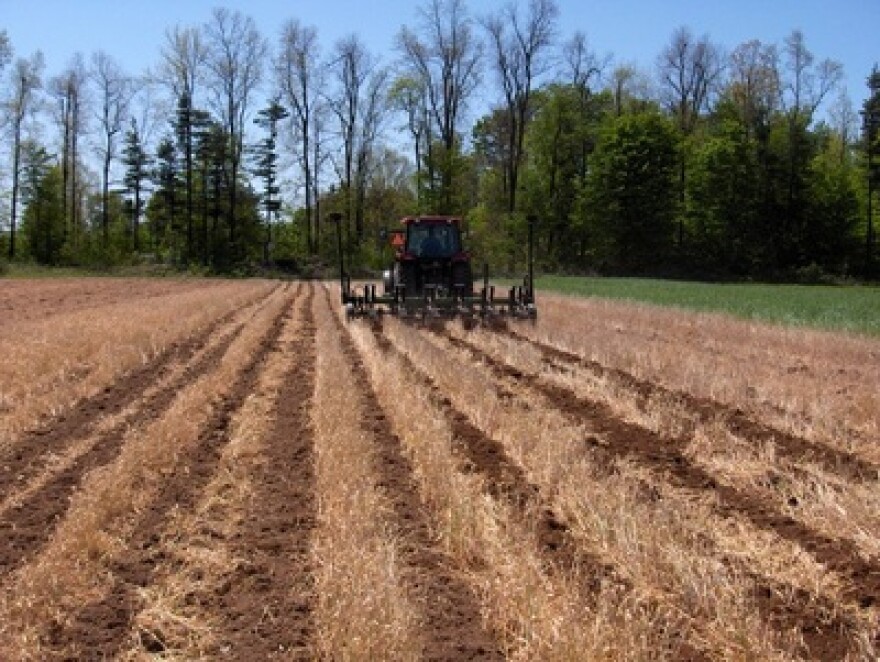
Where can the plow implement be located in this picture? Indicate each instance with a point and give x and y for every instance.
(431, 278)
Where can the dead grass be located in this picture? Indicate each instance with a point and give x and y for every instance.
(674, 576)
(363, 610)
(822, 385)
(197, 544)
(25, 301)
(75, 566)
(657, 544)
(51, 364)
(822, 500)
(56, 462)
(538, 615)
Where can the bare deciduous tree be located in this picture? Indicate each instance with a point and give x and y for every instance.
(183, 63)
(114, 89)
(845, 121)
(582, 68)
(300, 77)
(753, 83)
(583, 65)
(690, 70)
(183, 60)
(445, 58)
(24, 84)
(374, 110)
(519, 48)
(5, 50)
(236, 53)
(351, 66)
(409, 95)
(806, 85)
(627, 84)
(359, 106)
(69, 91)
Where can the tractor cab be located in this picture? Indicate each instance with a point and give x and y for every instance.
(429, 259)
(431, 238)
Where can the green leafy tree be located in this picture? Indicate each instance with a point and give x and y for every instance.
(491, 144)
(137, 172)
(184, 129)
(560, 139)
(689, 68)
(163, 210)
(43, 220)
(805, 86)
(629, 200)
(723, 203)
(266, 167)
(829, 236)
(871, 137)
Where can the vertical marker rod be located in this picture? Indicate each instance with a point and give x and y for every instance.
(336, 217)
(531, 221)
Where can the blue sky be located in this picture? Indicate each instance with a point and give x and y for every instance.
(631, 30)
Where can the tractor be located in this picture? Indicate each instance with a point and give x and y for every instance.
(431, 276)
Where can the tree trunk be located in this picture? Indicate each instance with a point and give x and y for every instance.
(105, 201)
(188, 149)
(869, 235)
(74, 197)
(16, 160)
(65, 169)
(137, 216)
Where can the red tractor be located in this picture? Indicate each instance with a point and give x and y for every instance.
(431, 276)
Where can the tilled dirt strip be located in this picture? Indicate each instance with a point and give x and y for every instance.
(452, 612)
(266, 606)
(98, 630)
(506, 481)
(29, 524)
(786, 445)
(826, 634)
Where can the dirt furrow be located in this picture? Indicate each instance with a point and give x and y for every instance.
(507, 482)
(26, 526)
(452, 612)
(823, 631)
(266, 606)
(789, 446)
(98, 630)
(25, 458)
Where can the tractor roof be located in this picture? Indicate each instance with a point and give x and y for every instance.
(431, 220)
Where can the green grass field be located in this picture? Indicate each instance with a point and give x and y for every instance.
(839, 308)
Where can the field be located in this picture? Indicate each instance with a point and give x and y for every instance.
(228, 470)
(839, 308)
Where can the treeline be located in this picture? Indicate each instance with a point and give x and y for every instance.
(232, 152)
